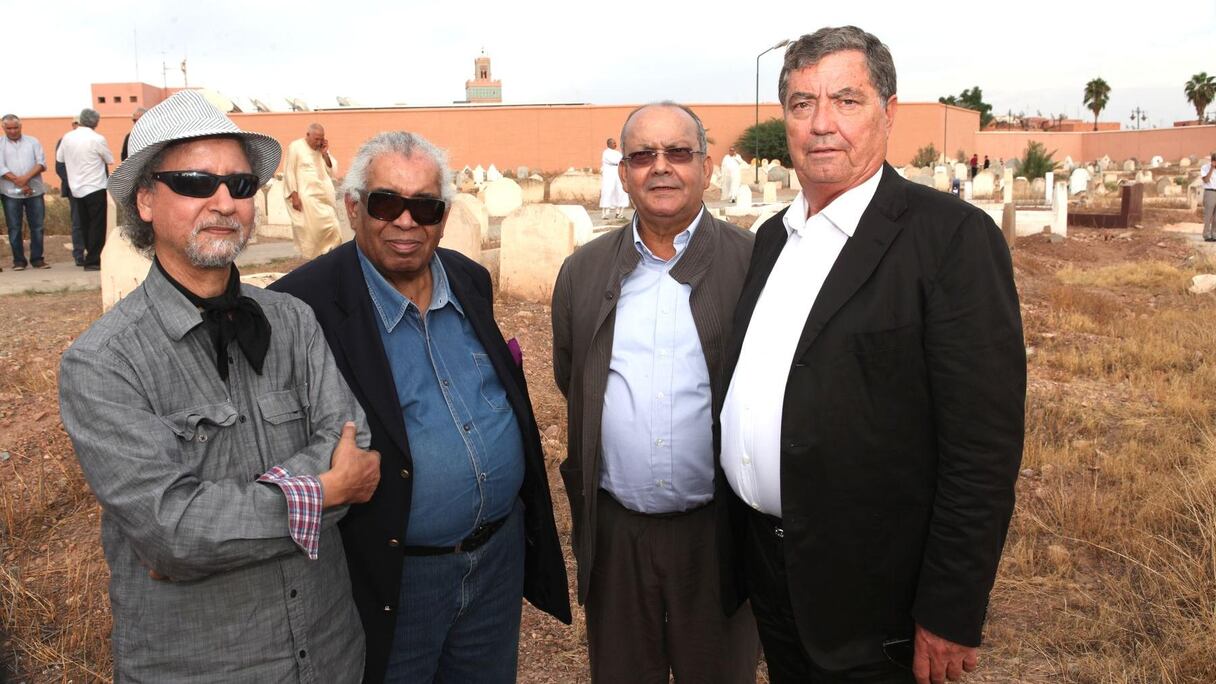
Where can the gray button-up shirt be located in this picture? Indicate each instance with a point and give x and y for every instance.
(172, 453)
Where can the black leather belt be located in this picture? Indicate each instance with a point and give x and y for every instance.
(474, 541)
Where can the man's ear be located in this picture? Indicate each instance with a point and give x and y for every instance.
(143, 202)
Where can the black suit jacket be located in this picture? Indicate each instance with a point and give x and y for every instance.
(334, 287)
(902, 427)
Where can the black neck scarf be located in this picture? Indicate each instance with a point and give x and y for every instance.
(230, 316)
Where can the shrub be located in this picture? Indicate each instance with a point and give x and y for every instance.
(1037, 161)
(765, 140)
(925, 156)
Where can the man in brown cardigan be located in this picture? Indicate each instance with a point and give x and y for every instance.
(640, 316)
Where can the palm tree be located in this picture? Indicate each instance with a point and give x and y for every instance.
(1200, 91)
(1097, 94)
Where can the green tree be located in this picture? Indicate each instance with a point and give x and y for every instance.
(1200, 91)
(971, 98)
(1037, 161)
(1097, 94)
(765, 140)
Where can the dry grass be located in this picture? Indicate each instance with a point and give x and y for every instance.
(1110, 566)
(1109, 572)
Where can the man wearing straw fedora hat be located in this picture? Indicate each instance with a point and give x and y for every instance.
(215, 430)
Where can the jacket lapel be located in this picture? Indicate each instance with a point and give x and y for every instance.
(359, 336)
(859, 257)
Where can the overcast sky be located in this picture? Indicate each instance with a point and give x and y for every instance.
(1034, 57)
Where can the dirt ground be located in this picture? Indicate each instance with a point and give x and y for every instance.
(54, 610)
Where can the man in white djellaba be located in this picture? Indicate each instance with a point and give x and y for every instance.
(731, 167)
(612, 195)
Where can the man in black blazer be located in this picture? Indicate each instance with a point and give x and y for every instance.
(462, 523)
(872, 430)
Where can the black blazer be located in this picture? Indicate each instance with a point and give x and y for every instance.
(334, 287)
(902, 427)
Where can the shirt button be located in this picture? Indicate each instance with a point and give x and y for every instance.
(242, 418)
(482, 477)
(658, 442)
(747, 460)
(393, 543)
(202, 438)
(468, 426)
(445, 383)
(388, 609)
(405, 474)
(293, 593)
(660, 395)
(303, 653)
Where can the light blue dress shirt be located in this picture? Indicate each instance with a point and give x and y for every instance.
(464, 439)
(657, 442)
(18, 157)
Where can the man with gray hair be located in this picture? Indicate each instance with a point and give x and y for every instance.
(462, 524)
(86, 155)
(214, 429)
(22, 162)
(639, 319)
(873, 425)
(308, 182)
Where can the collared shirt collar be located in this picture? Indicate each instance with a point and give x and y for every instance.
(844, 212)
(391, 305)
(176, 312)
(681, 240)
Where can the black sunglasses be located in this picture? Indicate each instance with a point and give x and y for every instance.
(675, 155)
(201, 184)
(387, 206)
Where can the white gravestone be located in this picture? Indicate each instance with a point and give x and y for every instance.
(478, 211)
(501, 196)
(536, 239)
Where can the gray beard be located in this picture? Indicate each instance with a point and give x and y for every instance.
(217, 253)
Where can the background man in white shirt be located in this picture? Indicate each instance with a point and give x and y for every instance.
(1207, 173)
(87, 156)
(873, 425)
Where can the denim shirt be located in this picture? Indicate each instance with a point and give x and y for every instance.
(465, 442)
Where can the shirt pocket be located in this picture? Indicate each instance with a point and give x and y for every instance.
(285, 418)
(491, 388)
(201, 432)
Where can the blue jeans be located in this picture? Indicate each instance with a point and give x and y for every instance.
(458, 620)
(34, 209)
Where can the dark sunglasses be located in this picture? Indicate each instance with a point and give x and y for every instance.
(387, 206)
(201, 184)
(676, 155)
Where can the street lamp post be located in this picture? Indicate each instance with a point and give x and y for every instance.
(1138, 115)
(756, 130)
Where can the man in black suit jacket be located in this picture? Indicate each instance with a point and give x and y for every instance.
(437, 569)
(872, 430)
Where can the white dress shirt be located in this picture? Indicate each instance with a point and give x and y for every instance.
(1210, 183)
(751, 416)
(85, 152)
(657, 431)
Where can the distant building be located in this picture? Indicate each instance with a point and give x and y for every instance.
(482, 90)
(121, 99)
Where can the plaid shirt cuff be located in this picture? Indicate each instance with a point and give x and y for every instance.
(303, 507)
